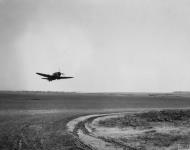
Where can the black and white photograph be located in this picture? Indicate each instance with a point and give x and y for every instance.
(94, 75)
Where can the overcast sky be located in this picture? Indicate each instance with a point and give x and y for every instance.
(107, 45)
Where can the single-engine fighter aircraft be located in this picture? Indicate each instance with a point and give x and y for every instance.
(54, 76)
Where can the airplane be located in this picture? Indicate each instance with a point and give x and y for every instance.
(54, 76)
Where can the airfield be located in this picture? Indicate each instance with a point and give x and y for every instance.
(94, 121)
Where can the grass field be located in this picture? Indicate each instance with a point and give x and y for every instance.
(36, 120)
(89, 101)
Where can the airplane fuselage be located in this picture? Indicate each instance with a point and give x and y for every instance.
(54, 76)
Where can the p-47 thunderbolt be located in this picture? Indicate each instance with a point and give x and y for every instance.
(54, 76)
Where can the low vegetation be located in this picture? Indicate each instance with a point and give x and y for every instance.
(165, 116)
(41, 132)
(145, 119)
(24, 127)
(176, 120)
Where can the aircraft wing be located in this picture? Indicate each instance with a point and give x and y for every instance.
(44, 75)
(65, 77)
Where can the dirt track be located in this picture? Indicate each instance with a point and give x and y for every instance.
(90, 134)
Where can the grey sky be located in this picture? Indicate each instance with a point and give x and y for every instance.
(108, 45)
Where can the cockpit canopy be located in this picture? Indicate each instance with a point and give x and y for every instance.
(57, 74)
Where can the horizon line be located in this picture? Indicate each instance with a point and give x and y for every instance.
(43, 91)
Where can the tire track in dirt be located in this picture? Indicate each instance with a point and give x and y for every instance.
(79, 127)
